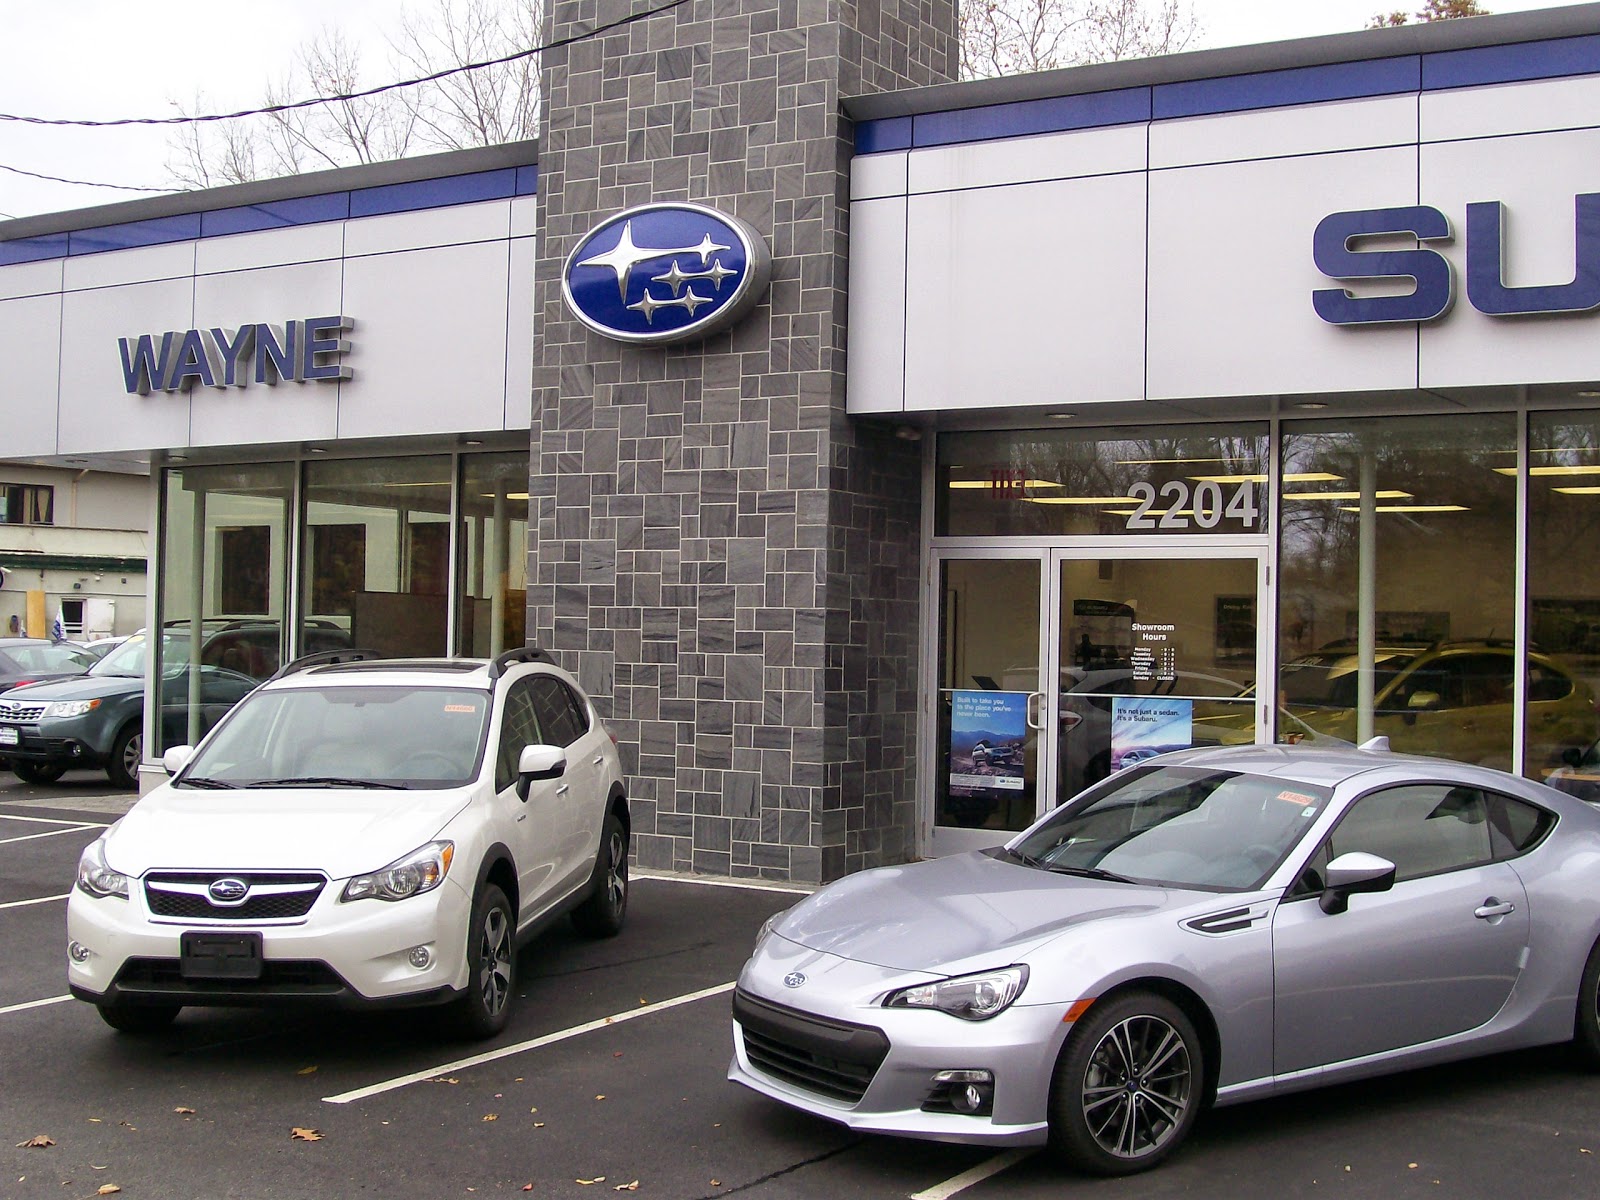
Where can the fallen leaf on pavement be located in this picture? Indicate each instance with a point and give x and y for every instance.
(627, 1187)
(297, 1134)
(587, 1182)
(107, 1189)
(442, 1079)
(716, 1183)
(306, 1071)
(182, 1109)
(38, 1139)
(491, 1116)
(601, 1096)
(527, 1187)
(538, 1124)
(92, 1167)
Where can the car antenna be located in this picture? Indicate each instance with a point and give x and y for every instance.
(1379, 744)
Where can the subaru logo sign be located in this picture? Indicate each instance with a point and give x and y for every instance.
(793, 979)
(666, 273)
(228, 890)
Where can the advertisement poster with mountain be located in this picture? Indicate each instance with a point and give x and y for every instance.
(988, 734)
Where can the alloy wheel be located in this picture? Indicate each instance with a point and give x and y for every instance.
(1138, 1088)
(617, 871)
(494, 960)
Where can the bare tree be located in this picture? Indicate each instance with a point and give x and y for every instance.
(1005, 37)
(1432, 10)
(481, 107)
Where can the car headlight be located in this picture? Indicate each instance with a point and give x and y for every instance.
(420, 871)
(70, 708)
(970, 997)
(95, 877)
(766, 929)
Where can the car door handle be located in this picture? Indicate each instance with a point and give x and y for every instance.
(598, 759)
(562, 790)
(1493, 908)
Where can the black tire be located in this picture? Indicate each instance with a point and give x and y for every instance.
(602, 914)
(127, 751)
(1128, 1086)
(31, 772)
(138, 1018)
(1586, 1028)
(482, 1010)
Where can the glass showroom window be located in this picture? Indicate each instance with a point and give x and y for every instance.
(1083, 482)
(1563, 662)
(224, 571)
(1397, 582)
(377, 555)
(493, 544)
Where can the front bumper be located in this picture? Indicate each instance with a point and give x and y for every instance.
(1019, 1048)
(338, 955)
(50, 749)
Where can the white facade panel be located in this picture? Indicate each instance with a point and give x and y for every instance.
(1046, 156)
(1510, 108)
(98, 414)
(259, 412)
(875, 175)
(143, 265)
(433, 327)
(875, 362)
(1026, 295)
(519, 335)
(1284, 132)
(488, 220)
(30, 279)
(270, 248)
(1536, 177)
(524, 216)
(1231, 277)
(30, 347)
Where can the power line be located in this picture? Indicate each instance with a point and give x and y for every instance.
(121, 187)
(388, 87)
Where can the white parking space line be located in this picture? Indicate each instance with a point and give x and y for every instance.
(28, 837)
(38, 900)
(11, 1008)
(549, 1039)
(977, 1174)
(750, 885)
(52, 821)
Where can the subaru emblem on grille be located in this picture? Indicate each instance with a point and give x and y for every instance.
(228, 891)
(793, 979)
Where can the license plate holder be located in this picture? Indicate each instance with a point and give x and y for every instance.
(204, 955)
(9, 736)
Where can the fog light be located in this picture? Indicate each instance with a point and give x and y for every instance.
(420, 957)
(78, 952)
(969, 1093)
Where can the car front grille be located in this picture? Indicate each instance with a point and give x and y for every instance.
(274, 896)
(16, 710)
(834, 1059)
(279, 977)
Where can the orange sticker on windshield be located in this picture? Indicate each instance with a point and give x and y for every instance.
(1297, 798)
(462, 708)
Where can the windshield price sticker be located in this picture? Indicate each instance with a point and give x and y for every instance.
(1202, 505)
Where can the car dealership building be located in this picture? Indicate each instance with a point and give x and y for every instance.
(1187, 383)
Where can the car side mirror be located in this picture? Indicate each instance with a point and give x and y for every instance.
(176, 759)
(537, 763)
(1423, 701)
(1352, 873)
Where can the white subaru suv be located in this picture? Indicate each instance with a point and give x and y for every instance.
(359, 832)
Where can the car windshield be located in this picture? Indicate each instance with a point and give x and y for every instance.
(346, 736)
(1176, 826)
(1330, 680)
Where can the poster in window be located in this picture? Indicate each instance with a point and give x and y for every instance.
(1236, 629)
(988, 737)
(1144, 726)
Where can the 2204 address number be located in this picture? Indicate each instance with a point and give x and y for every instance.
(1205, 505)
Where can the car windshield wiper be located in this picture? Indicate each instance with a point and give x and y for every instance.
(1027, 860)
(1088, 873)
(327, 781)
(202, 781)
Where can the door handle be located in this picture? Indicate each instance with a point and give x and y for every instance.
(598, 759)
(562, 790)
(1492, 908)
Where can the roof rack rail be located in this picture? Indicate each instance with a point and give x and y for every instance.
(325, 658)
(521, 654)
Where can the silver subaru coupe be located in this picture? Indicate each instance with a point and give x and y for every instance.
(1206, 927)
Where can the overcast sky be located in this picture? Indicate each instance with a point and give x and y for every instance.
(102, 59)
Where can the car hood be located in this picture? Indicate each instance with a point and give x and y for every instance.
(12, 682)
(928, 915)
(83, 687)
(343, 832)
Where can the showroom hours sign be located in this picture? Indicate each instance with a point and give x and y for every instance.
(1187, 504)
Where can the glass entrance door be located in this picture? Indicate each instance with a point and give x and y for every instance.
(1057, 668)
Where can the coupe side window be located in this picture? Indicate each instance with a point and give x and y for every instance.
(519, 728)
(1422, 828)
(560, 716)
(1518, 827)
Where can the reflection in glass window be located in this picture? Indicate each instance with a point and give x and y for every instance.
(1563, 599)
(1054, 481)
(377, 554)
(494, 552)
(1379, 520)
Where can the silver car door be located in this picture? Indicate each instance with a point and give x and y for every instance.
(529, 826)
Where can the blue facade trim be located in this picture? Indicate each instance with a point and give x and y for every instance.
(415, 196)
(276, 214)
(1126, 106)
(892, 133)
(1511, 64)
(1301, 85)
(434, 193)
(35, 249)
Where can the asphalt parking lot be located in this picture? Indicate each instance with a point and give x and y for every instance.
(568, 1103)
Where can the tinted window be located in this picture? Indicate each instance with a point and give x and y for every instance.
(561, 720)
(1421, 828)
(1518, 827)
(519, 728)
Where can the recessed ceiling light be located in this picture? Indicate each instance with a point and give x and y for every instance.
(1311, 405)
